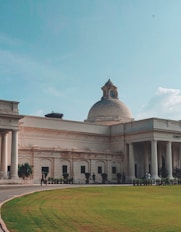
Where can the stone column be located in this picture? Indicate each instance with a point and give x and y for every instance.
(4, 154)
(160, 156)
(56, 167)
(146, 157)
(14, 155)
(154, 160)
(179, 157)
(90, 166)
(131, 162)
(109, 170)
(169, 159)
(93, 169)
(72, 168)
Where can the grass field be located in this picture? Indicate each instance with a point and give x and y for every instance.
(97, 209)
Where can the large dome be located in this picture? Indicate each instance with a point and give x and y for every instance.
(109, 110)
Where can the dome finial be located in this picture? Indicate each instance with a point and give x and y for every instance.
(109, 90)
(109, 82)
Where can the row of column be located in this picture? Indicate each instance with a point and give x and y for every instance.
(14, 154)
(154, 160)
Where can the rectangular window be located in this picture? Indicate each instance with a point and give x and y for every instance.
(45, 171)
(135, 168)
(99, 170)
(64, 169)
(82, 169)
(9, 168)
(113, 170)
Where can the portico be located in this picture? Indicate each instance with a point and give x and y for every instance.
(9, 126)
(156, 155)
(153, 145)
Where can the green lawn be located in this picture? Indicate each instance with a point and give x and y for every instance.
(97, 209)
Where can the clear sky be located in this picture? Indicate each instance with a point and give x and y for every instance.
(55, 55)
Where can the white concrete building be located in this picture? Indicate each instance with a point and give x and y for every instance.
(108, 141)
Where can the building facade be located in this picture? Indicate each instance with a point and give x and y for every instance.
(109, 141)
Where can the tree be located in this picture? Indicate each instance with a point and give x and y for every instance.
(177, 173)
(163, 173)
(118, 178)
(24, 170)
(104, 178)
(87, 176)
(65, 177)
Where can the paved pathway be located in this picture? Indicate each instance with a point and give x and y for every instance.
(10, 191)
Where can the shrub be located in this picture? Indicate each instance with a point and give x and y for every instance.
(24, 170)
(104, 178)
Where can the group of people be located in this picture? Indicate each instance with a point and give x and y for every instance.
(148, 176)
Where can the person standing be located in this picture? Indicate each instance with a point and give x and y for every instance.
(94, 178)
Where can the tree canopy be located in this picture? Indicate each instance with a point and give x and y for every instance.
(24, 170)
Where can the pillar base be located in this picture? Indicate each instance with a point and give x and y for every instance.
(130, 178)
(155, 177)
(171, 177)
(14, 177)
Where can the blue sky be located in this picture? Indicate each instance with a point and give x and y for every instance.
(56, 55)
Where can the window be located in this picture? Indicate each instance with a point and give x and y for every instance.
(9, 168)
(99, 170)
(150, 168)
(113, 170)
(135, 167)
(82, 169)
(45, 171)
(64, 169)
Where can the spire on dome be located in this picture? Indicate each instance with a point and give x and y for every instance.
(109, 91)
(109, 83)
